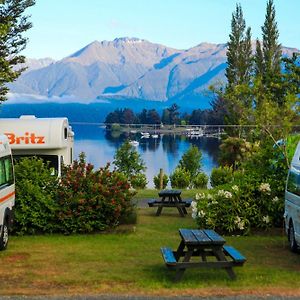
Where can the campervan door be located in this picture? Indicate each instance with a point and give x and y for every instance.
(292, 202)
(7, 190)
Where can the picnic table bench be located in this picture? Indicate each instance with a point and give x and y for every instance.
(170, 198)
(202, 249)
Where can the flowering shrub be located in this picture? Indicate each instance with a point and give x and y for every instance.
(156, 180)
(221, 209)
(253, 195)
(238, 208)
(265, 188)
(92, 200)
(83, 200)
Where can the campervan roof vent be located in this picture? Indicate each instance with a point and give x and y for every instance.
(28, 117)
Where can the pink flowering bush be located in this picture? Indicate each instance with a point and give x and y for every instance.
(92, 200)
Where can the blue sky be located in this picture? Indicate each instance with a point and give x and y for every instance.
(61, 27)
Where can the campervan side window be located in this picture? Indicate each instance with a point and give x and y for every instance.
(6, 171)
(9, 173)
(2, 173)
(52, 159)
(66, 133)
(293, 183)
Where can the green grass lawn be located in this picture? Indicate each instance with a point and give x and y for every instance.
(129, 261)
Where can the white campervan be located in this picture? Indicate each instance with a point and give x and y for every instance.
(292, 202)
(51, 139)
(7, 191)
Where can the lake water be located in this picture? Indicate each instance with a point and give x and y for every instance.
(162, 152)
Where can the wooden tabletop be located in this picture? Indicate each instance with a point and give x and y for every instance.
(201, 237)
(163, 193)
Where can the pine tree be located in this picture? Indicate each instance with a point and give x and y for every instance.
(239, 56)
(238, 72)
(259, 59)
(271, 48)
(246, 58)
(268, 56)
(12, 24)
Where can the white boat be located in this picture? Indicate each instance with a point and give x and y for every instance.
(132, 131)
(196, 132)
(134, 143)
(145, 134)
(155, 136)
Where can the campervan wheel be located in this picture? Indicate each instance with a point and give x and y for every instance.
(292, 240)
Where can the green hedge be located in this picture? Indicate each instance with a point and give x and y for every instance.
(35, 206)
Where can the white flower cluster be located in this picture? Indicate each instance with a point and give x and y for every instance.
(240, 223)
(265, 188)
(200, 196)
(210, 197)
(194, 209)
(266, 219)
(225, 194)
(194, 205)
(201, 213)
(235, 188)
(275, 199)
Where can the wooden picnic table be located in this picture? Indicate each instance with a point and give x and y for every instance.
(170, 198)
(202, 249)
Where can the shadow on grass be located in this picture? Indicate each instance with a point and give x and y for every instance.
(160, 276)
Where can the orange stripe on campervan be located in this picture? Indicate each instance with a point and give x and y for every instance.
(7, 197)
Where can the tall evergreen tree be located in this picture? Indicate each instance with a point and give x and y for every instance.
(291, 77)
(271, 48)
(259, 59)
(268, 56)
(13, 25)
(238, 72)
(239, 56)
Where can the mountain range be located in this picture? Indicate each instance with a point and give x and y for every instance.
(126, 69)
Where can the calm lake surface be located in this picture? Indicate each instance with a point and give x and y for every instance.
(162, 152)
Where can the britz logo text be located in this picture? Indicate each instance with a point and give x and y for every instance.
(27, 138)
